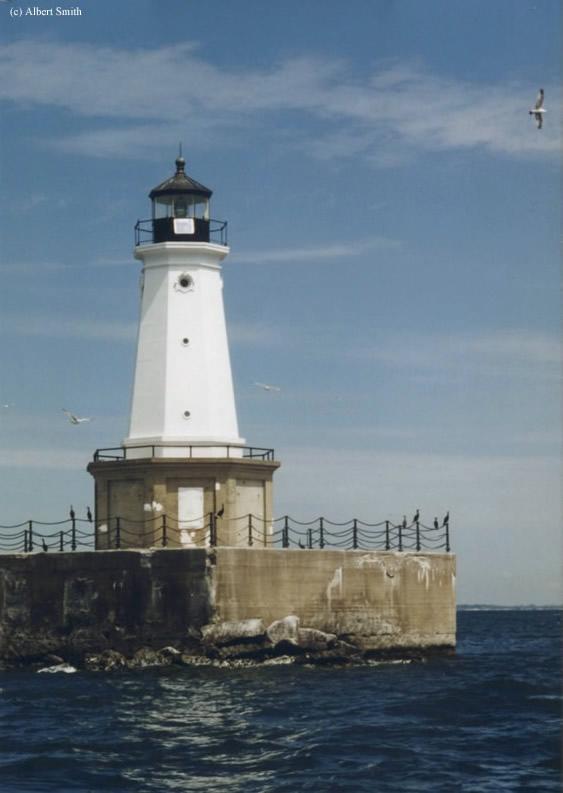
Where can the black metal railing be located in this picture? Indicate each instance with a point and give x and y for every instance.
(185, 451)
(167, 531)
(150, 231)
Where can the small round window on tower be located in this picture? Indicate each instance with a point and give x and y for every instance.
(187, 414)
(185, 283)
(185, 341)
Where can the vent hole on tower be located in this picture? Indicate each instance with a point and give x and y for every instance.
(185, 341)
(187, 414)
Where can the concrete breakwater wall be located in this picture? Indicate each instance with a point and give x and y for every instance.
(72, 604)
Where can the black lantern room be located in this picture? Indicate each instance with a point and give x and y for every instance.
(180, 209)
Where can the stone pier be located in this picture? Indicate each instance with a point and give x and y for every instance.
(71, 604)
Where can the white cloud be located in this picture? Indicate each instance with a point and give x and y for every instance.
(514, 352)
(337, 250)
(24, 268)
(253, 334)
(68, 327)
(48, 458)
(399, 109)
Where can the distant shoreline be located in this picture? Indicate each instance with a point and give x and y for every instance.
(494, 607)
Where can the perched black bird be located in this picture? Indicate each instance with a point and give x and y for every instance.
(416, 516)
(44, 545)
(436, 524)
(404, 523)
(301, 545)
(446, 521)
(89, 514)
(72, 513)
(221, 512)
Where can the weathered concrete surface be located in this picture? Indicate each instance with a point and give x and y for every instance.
(380, 599)
(73, 604)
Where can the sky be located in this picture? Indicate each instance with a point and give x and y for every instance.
(394, 230)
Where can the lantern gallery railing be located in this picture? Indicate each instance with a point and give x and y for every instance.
(182, 452)
(166, 531)
(162, 229)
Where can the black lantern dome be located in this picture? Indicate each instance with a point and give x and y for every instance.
(180, 210)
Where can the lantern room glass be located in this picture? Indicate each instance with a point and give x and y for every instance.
(183, 205)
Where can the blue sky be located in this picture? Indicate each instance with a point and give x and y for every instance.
(394, 228)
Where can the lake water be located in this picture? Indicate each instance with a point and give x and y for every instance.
(486, 720)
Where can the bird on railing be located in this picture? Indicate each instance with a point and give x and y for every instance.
(89, 514)
(300, 544)
(72, 513)
(436, 524)
(446, 521)
(221, 512)
(404, 523)
(416, 516)
(44, 545)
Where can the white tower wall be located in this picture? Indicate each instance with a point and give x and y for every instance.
(174, 376)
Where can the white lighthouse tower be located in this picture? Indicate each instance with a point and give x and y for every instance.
(183, 475)
(183, 389)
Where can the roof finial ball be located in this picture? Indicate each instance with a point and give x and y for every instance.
(180, 208)
(180, 161)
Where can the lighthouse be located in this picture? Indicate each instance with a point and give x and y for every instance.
(183, 476)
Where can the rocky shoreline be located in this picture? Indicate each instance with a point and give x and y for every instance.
(245, 643)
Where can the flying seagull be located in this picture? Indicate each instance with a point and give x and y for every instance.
(268, 387)
(538, 110)
(76, 419)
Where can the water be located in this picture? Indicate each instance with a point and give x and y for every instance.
(486, 720)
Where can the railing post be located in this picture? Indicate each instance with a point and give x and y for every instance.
(387, 538)
(447, 537)
(73, 535)
(96, 539)
(321, 533)
(310, 539)
(118, 532)
(355, 534)
(250, 529)
(417, 535)
(212, 530)
(285, 532)
(30, 536)
(164, 537)
(61, 541)
(25, 540)
(400, 537)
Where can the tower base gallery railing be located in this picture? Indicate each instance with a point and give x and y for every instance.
(163, 531)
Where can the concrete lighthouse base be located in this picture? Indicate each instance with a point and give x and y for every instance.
(183, 503)
(222, 605)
